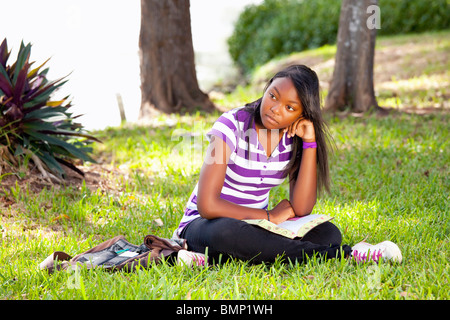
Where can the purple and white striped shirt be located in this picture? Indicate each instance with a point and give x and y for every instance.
(249, 177)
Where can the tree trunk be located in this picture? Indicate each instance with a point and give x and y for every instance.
(352, 83)
(168, 77)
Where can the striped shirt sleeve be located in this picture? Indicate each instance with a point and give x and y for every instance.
(226, 129)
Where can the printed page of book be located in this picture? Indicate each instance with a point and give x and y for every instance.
(295, 224)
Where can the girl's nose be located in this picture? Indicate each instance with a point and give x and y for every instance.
(275, 108)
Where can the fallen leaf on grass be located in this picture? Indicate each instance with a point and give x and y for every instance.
(158, 222)
(61, 216)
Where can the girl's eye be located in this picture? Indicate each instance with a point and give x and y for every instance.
(290, 108)
(272, 96)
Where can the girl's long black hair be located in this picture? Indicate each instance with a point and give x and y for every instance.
(306, 83)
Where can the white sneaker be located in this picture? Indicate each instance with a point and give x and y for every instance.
(385, 250)
(190, 258)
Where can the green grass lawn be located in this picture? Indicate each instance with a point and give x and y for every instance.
(390, 181)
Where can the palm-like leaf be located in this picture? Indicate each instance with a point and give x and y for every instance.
(30, 119)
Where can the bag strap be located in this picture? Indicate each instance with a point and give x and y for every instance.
(50, 263)
(153, 242)
(162, 247)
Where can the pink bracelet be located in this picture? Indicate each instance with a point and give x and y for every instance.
(307, 145)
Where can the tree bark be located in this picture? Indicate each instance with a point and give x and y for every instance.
(352, 82)
(168, 77)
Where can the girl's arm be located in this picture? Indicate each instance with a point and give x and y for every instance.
(212, 177)
(303, 190)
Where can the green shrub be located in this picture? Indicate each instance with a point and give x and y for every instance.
(405, 16)
(280, 27)
(31, 124)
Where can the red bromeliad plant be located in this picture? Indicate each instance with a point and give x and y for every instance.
(34, 125)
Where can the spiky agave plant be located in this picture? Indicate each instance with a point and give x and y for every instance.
(34, 125)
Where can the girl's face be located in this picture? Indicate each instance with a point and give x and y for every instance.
(280, 105)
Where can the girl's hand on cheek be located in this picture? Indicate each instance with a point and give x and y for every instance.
(302, 128)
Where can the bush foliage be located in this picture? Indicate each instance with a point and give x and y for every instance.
(32, 124)
(279, 27)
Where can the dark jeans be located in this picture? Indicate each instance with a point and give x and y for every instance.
(231, 238)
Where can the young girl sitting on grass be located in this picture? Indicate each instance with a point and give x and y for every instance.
(253, 149)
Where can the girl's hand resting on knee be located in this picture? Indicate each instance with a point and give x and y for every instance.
(281, 212)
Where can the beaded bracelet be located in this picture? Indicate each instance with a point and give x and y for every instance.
(307, 145)
(268, 217)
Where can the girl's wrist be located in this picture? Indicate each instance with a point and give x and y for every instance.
(311, 144)
(268, 215)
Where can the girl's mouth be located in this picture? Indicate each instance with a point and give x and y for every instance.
(271, 120)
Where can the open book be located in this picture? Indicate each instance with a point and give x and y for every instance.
(293, 228)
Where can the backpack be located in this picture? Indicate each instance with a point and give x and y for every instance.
(117, 254)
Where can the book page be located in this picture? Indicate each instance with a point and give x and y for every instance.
(292, 228)
(294, 224)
